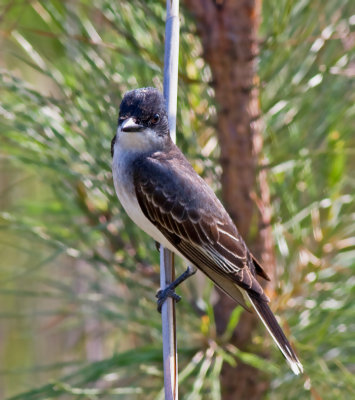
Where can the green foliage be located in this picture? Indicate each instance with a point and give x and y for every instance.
(307, 100)
(78, 278)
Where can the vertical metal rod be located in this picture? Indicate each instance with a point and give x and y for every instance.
(171, 59)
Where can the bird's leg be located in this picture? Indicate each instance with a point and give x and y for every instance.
(169, 291)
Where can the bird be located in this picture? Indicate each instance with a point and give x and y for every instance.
(165, 197)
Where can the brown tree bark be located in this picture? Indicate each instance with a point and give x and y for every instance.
(228, 31)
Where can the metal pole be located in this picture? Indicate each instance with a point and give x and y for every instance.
(171, 59)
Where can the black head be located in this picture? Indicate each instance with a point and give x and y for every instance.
(146, 107)
(143, 112)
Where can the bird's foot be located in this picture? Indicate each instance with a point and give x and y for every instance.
(169, 291)
(163, 294)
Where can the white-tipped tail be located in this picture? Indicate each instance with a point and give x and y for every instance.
(269, 320)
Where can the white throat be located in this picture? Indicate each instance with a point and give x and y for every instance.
(143, 141)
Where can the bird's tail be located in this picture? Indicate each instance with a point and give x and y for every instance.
(269, 320)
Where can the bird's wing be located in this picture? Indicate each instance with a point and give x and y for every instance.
(190, 216)
(194, 221)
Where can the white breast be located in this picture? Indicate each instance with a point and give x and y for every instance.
(123, 181)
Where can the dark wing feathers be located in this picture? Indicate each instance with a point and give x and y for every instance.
(195, 222)
(260, 270)
(198, 226)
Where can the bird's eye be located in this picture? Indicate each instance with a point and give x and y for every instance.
(121, 119)
(155, 119)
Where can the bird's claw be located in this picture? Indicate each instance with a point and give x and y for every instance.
(163, 294)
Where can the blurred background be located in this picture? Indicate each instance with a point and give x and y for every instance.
(78, 280)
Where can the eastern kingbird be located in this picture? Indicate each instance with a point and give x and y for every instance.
(165, 197)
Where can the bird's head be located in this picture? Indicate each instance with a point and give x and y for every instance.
(142, 122)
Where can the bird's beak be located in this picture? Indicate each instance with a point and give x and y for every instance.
(129, 125)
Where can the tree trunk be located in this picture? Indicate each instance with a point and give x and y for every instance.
(228, 31)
